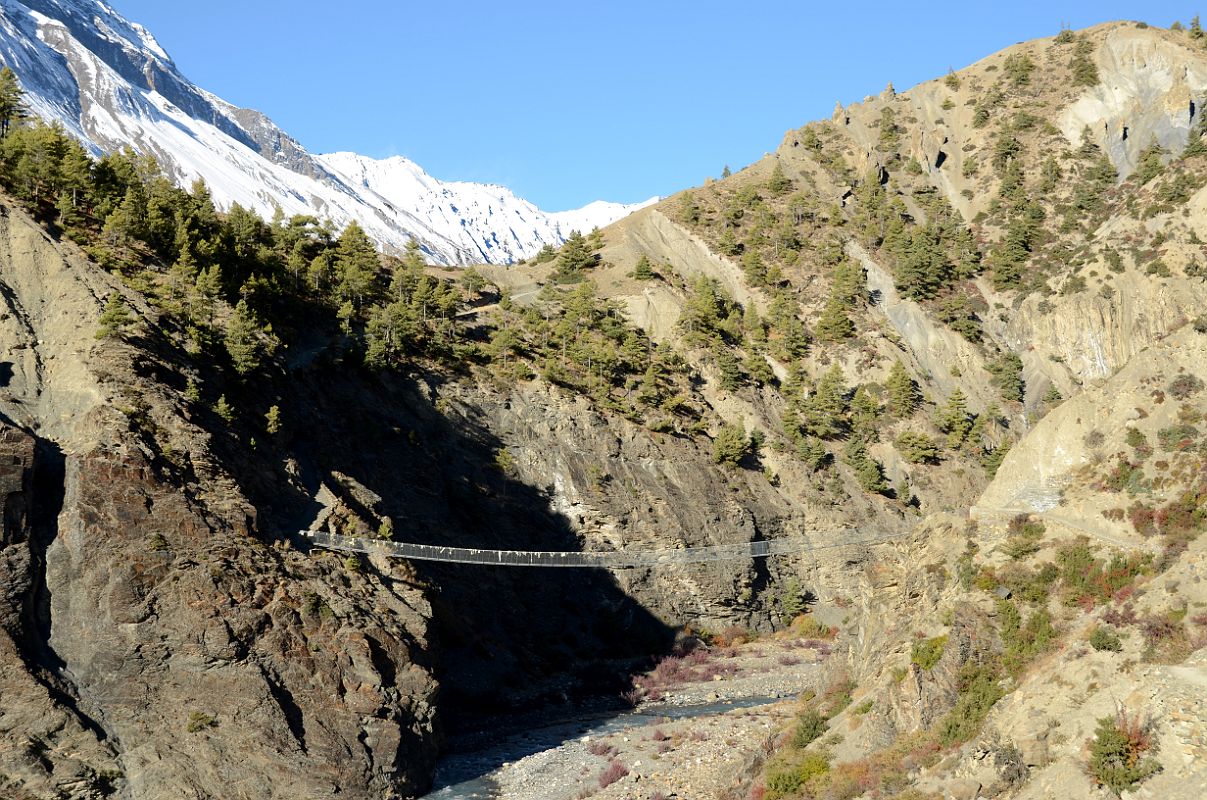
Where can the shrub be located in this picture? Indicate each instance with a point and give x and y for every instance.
(731, 445)
(1166, 638)
(1184, 386)
(1117, 752)
(1087, 581)
(979, 689)
(1177, 438)
(806, 626)
(918, 448)
(926, 653)
(1025, 536)
(601, 749)
(787, 780)
(1104, 639)
(612, 773)
(809, 728)
(199, 721)
(1023, 642)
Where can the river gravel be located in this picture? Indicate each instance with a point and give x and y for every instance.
(693, 743)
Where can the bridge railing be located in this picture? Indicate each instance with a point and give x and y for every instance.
(591, 559)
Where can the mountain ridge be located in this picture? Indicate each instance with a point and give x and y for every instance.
(110, 83)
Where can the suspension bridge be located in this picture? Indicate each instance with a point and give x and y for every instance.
(607, 559)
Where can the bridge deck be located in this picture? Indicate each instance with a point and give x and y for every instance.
(615, 559)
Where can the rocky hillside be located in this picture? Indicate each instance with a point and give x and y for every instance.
(974, 296)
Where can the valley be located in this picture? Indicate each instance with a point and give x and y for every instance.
(953, 339)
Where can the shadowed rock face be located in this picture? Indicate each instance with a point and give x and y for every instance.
(151, 643)
(172, 655)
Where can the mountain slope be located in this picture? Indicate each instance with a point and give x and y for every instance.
(109, 83)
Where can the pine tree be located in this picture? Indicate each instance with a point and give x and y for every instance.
(115, 318)
(812, 452)
(902, 392)
(954, 420)
(850, 281)
(272, 420)
(12, 104)
(729, 369)
(242, 339)
(731, 445)
(725, 172)
(865, 415)
(644, 271)
(728, 243)
(356, 264)
(223, 409)
(752, 324)
(824, 412)
(1150, 164)
(575, 258)
(1007, 374)
(754, 268)
(834, 325)
(779, 182)
(1085, 71)
(867, 470)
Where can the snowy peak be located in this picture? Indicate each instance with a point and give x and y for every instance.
(483, 218)
(111, 84)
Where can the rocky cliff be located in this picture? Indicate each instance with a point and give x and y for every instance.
(154, 644)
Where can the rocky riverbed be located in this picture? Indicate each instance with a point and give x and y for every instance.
(704, 721)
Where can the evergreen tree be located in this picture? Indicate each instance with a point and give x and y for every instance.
(758, 369)
(865, 415)
(575, 258)
(224, 410)
(850, 281)
(867, 470)
(725, 172)
(356, 264)
(779, 182)
(272, 420)
(1085, 71)
(1007, 374)
(824, 412)
(754, 268)
(834, 325)
(728, 244)
(731, 445)
(644, 271)
(12, 103)
(243, 339)
(954, 420)
(115, 318)
(729, 369)
(689, 209)
(902, 392)
(812, 452)
(1150, 164)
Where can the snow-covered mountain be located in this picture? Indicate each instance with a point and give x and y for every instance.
(109, 82)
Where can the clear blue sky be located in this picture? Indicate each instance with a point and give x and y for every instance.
(570, 101)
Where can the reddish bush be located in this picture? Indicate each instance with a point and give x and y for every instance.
(612, 773)
(1143, 519)
(1184, 386)
(1121, 616)
(601, 749)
